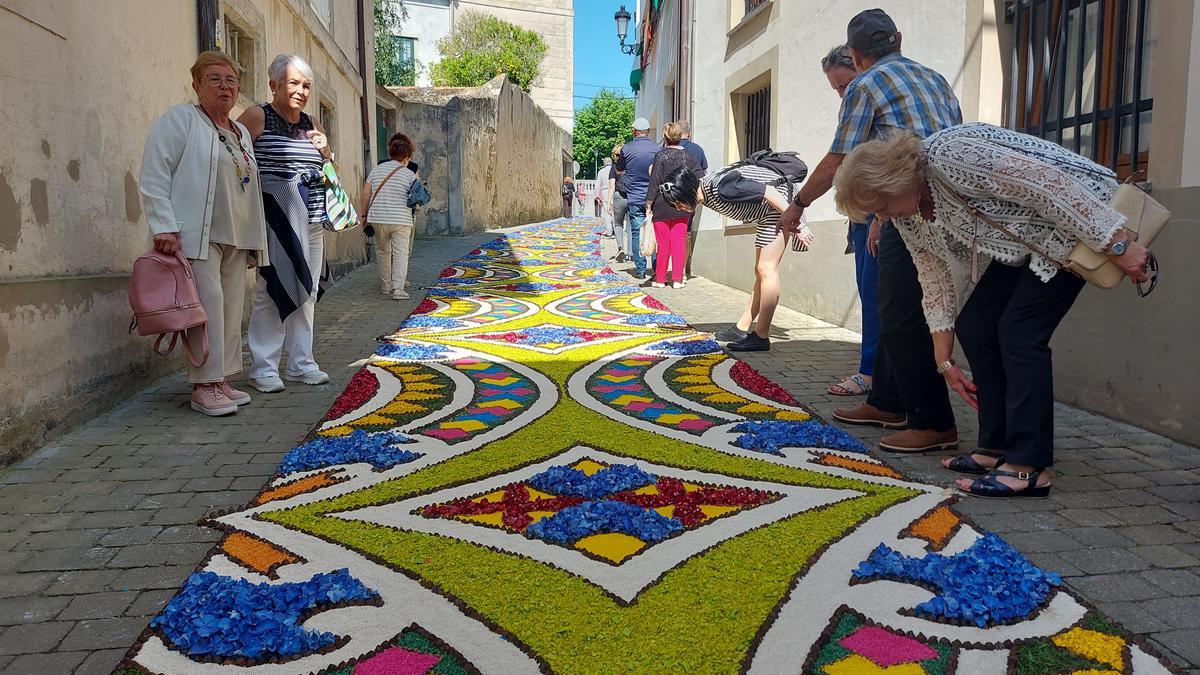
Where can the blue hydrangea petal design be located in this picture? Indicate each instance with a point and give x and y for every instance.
(583, 520)
(411, 352)
(772, 436)
(449, 293)
(687, 347)
(358, 446)
(565, 480)
(662, 319)
(218, 616)
(988, 583)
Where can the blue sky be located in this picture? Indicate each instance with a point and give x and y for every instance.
(598, 62)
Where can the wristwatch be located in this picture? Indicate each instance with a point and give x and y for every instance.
(1119, 247)
(799, 203)
(944, 366)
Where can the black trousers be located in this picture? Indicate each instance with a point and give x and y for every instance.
(906, 378)
(1005, 331)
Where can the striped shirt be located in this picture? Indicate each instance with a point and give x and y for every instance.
(284, 149)
(894, 94)
(748, 206)
(390, 205)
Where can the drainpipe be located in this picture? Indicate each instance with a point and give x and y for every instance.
(684, 89)
(368, 84)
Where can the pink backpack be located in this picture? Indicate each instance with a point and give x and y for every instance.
(163, 295)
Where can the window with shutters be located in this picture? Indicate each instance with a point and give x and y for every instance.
(1081, 77)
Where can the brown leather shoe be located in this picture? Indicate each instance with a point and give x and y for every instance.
(920, 440)
(869, 415)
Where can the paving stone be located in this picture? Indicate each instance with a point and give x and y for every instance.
(1178, 493)
(179, 534)
(114, 502)
(30, 610)
(1116, 587)
(207, 484)
(1177, 582)
(111, 519)
(1154, 535)
(184, 515)
(223, 500)
(1177, 612)
(1105, 560)
(130, 535)
(69, 559)
(143, 555)
(101, 662)
(1185, 643)
(53, 522)
(1099, 537)
(1042, 542)
(14, 585)
(45, 541)
(150, 603)
(98, 605)
(1135, 497)
(1144, 515)
(1165, 556)
(104, 633)
(166, 501)
(142, 578)
(82, 581)
(1087, 500)
(1133, 616)
(33, 638)
(54, 662)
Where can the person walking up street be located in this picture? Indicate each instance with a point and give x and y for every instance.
(670, 223)
(602, 197)
(879, 103)
(698, 152)
(618, 206)
(636, 157)
(568, 194)
(839, 70)
(385, 206)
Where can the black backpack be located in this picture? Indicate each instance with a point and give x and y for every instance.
(788, 165)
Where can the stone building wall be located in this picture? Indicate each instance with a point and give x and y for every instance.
(82, 83)
(486, 153)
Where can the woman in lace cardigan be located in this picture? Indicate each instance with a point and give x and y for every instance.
(1046, 197)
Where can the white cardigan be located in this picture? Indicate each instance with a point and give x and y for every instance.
(179, 176)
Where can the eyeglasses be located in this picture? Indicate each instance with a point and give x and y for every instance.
(1152, 272)
(217, 81)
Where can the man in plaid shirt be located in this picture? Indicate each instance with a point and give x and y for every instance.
(891, 94)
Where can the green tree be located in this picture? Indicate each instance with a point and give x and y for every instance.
(481, 47)
(390, 69)
(600, 125)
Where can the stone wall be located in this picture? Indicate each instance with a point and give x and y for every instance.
(91, 79)
(489, 155)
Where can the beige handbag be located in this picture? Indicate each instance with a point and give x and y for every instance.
(1144, 219)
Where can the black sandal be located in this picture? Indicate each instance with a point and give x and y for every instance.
(967, 466)
(988, 486)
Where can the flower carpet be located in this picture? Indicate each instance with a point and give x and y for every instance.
(544, 469)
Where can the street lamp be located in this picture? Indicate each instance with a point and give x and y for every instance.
(595, 161)
(622, 18)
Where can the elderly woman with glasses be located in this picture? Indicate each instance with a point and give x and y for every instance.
(292, 149)
(975, 197)
(215, 217)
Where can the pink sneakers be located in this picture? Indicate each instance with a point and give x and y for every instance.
(208, 399)
(238, 397)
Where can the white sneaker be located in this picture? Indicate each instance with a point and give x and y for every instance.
(676, 284)
(399, 295)
(267, 385)
(312, 377)
(656, 284)
(208, 399)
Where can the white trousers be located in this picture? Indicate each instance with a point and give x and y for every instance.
(393, 245)
(221, 283)
(268, 336)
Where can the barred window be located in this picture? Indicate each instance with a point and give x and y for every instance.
(758, 121)
(752, 5)
(1081, 77)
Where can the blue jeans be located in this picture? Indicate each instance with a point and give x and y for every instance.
(637, 215)
(866, 273)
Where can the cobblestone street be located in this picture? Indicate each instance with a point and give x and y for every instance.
(98, 530)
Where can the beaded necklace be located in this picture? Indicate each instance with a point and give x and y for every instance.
(243, 177)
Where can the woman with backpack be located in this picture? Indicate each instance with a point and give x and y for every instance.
(385, 199)
(755, 191)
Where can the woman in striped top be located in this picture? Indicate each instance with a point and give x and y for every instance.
(291, 149)
(746, 193)
(385, 206)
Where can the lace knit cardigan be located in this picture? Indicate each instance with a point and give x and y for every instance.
(1044, 194)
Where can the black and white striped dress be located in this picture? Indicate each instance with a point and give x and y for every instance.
(284, 150)
(744, 202)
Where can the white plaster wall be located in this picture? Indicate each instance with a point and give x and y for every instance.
(428, 21)
(655, 100)
(1190, 173)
